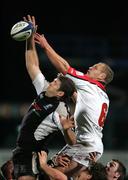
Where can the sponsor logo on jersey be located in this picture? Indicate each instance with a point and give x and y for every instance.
(48, 106)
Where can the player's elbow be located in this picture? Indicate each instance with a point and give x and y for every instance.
(64, 69)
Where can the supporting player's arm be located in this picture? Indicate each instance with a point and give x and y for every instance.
(68, 126)
(60, 63)
(53, 174)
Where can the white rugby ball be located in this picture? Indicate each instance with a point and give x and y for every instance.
(21, 31)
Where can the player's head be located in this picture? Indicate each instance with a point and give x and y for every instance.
(61, 87)
(115, 170)
(96, 171)
(83, 175)
(101, 72)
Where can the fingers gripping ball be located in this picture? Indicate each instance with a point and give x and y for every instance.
(22, 30)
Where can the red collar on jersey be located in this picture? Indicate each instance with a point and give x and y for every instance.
(93, 81)
(83, 76)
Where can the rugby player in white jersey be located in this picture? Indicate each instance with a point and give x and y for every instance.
(92, 105)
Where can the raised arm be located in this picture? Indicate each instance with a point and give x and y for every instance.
(53, 174)
(31, 57)
(60, 63)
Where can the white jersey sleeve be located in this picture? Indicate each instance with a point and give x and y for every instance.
(40, 83)
(49, 125)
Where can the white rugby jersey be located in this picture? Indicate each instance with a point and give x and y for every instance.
(51, 123)
(40, 83)
(91, 110)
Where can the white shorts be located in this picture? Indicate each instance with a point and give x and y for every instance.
(79, 153)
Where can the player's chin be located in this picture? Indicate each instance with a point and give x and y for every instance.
(87, 73)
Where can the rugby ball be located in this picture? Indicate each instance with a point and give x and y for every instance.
(21, 31)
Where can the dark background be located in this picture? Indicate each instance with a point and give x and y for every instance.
(84, 33)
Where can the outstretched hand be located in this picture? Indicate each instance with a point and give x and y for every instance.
(40, 39)
(32, 20)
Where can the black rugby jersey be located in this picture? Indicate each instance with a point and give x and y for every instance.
(39, 110)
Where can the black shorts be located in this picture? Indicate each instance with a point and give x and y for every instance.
(22, 163)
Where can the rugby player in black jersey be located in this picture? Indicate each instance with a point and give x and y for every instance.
(60, 89)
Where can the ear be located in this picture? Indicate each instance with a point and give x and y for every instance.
(89, 177)
(117, 175)
(102, 76)
(60, 93)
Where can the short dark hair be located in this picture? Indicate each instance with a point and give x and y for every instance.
(98, 171)
(68, 86)
(121, 169)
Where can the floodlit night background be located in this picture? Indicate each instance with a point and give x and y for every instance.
(84, 35)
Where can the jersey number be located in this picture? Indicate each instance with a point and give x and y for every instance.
(103, 114)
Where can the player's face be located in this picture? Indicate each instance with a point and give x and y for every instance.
(111, 169)
(53, 88)
(96, 71)
(84, 175)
